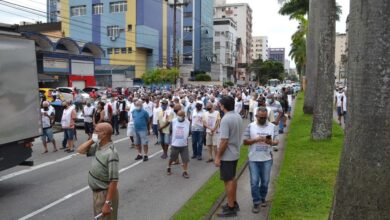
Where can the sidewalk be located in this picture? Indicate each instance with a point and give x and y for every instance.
(244, 197)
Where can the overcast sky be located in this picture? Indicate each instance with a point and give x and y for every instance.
(266, 19)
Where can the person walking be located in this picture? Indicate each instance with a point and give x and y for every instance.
(261, 135)
(98, 116)
(197, 131)
(141, 130)
(164, 120)
(103, 175)
(68, 125)
(180, 131)
(115, 115)
(211, 123)
(88, 113)
(47, 117)
(156, 112)
(229, 153)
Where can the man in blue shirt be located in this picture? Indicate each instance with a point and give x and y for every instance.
(141, 128)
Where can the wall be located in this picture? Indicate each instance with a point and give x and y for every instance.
(89, 80)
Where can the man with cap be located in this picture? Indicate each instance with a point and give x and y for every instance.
(103, 175)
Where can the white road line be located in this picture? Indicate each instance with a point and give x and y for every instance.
(42, 165)
(32, 214)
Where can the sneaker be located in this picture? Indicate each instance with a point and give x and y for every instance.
(236, 206)
(169, 171)
(164, 156)
(139, 157)
(185, 175)
(210, 160)
(193, 157)
(256, 208)
(229, 212)
(263, 203)
(281, 131)
(117, 133)
(199, 158)
(146, 158)
(157, 143)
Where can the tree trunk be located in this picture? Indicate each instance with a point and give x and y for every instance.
(362, 188)
(323, 107)
(311, 57)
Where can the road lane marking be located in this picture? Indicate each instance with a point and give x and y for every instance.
(32, 214)
(42, 165)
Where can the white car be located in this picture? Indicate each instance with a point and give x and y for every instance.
(68, 92)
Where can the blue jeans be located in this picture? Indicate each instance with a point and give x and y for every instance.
(155, 130)
(260, 173)
(115, 123)
(197, 143)
(281, 124)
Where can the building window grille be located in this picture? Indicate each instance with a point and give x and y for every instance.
(78, 10)
(116, 7)
(187, 28)
(113, 31)
(97, 9)
(187, 43)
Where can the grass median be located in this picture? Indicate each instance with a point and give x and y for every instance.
(198, 206)
(304, 188)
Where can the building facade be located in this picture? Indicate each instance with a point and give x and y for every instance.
(136, 35)
(197, 38)
(259, 48)
(277, 54)
(340, 56)
(224, 60)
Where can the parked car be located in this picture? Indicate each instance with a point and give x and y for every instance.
(68, 93)
(47, 93)
(98, 89)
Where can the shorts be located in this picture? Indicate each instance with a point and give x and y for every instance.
(165, 139)
(228, 170)
(69, 133)
(339, 113)
(289, 109)
(211, 140)
(88, 127)
(183, 151)
(141, 138)
(130, 131)
(246, 107)
(123, 116)
(47, 134)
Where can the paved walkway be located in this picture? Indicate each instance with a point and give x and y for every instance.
(244, 197)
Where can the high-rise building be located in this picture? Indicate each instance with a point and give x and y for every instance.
(277, 54)
(197, 38)
(136, 35)
(242, 14)
(259, 47)
(340, 56)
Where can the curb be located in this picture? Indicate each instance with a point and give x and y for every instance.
(222, 197)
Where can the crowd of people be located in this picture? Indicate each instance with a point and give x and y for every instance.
(211, 117)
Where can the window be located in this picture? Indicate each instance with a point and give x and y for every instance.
(217, 45)
(129, 50)
(118, 7)
(97, 9)
(123, 50)
(187, 58)
(187, 28)
(129, 27)
(217, 33)
(113, 31)
(187, 43)
(187, 14)
(109, 50)
(116, 50)
(78, 10)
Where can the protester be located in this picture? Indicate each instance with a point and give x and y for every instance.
(197, 129)
(261, 135)
(47, 117)
(68, 125)
(156, 112)
(103, 175)
(141, 130)
(164, 120)
(115, 116)
(88, 113)
(229, 153)
(211, 123)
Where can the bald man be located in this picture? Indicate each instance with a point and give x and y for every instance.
(179, 130)
(103, 175)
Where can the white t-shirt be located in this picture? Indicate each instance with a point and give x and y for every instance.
(211, 119)
(344, 103)
(88, 113)
(180, 133)
(46, 119)
(197, 120)
(252, 105)
(260, 151)
(338, 99)
(156, 111)
(149, 108)
(238, 107)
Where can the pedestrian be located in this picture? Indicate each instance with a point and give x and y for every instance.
(47, 117)
(229, 153)
(107, 110)
(88, 112)
(197, 131)
(148, 106)
(238, 105)
(164, 120)
(261, 135)
(115, 116)
(276, 107)
(179, 130)
(156, 112)
(54, 95)
(252, 105)
(93, 94)
(211, 123)
(344, 107)
(103, 175)
(68, 125)
(98, 116)
(130, 126)
(339, 103)
(141, 130)
(122, 112)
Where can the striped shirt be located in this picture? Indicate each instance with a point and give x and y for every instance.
(104, 167)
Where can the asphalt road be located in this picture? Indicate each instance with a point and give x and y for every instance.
(56, 187)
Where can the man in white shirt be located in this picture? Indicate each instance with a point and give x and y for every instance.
(261, 135)
(115, 116)
(211, 123)
(47, 120)
(148, 107)
(197, 131)
(344, 107)
(339, 103)
(238, 105)
(156, 111)
(88, 112)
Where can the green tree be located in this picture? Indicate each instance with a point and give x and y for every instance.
(157, 76)
(267, 70)
(297, 8)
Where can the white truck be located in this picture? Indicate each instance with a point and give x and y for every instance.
(20, 120)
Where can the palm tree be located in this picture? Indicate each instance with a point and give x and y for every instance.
(362, 187)
(296, 8)
(323, 106)
(298, 46)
